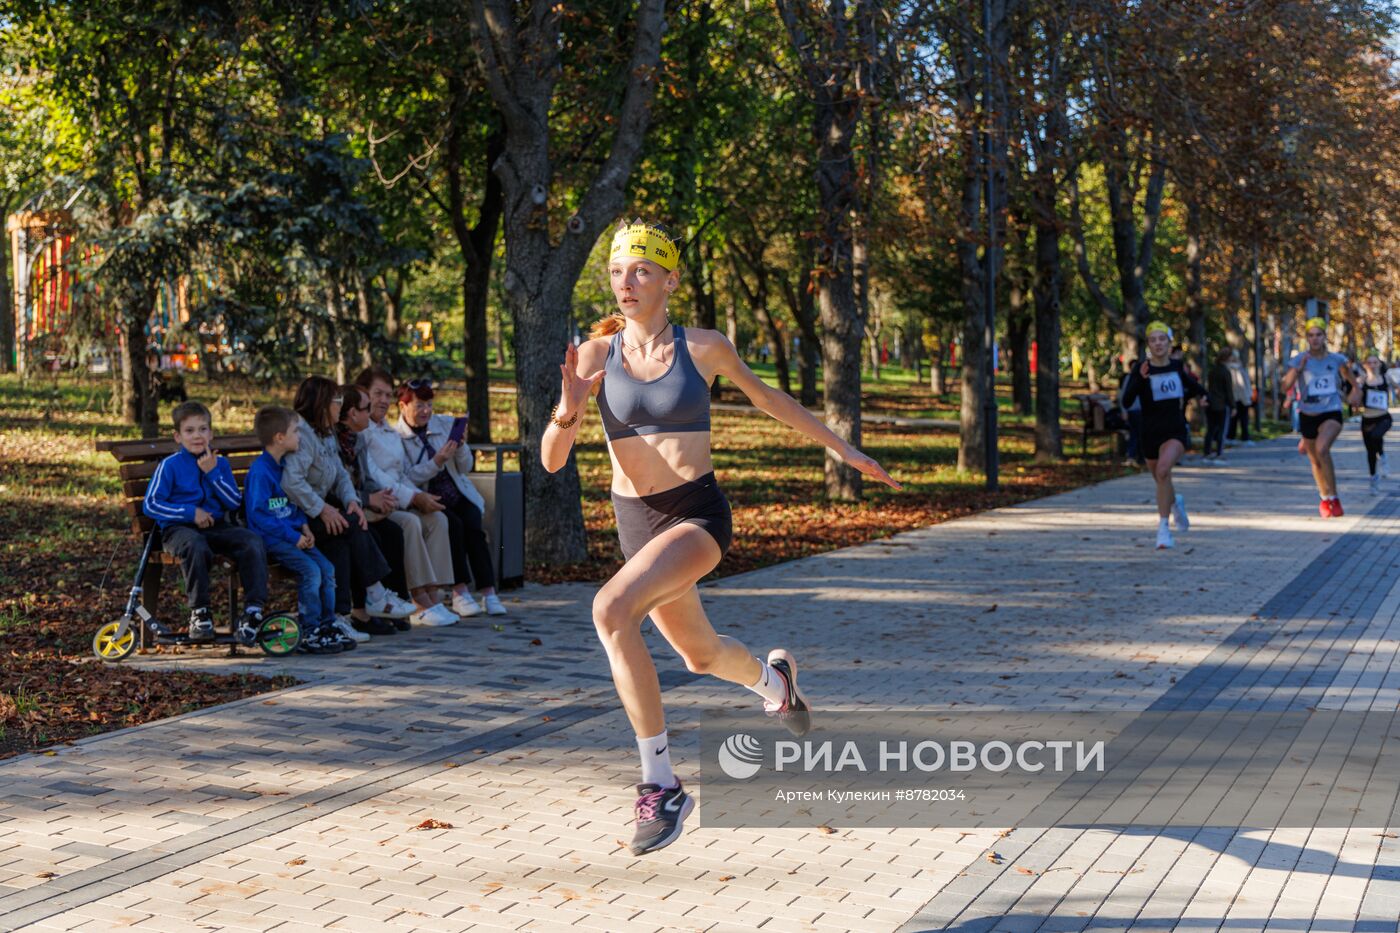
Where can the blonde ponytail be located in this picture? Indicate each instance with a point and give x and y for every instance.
(607, 326)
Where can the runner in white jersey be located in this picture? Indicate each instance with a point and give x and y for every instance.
(1321, 378)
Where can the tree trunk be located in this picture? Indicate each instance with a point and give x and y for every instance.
(520, 57)
(1018, 340)
(831, 62)
(138, 407)
(7, 303)
(1195, 301)
(976, 113)
(801, 304)
(757, 296)
(1049, 282)
(366, 320)
(477, 244)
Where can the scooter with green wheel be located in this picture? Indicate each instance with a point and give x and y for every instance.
(278, 635)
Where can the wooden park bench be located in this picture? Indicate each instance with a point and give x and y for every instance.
(137, 461)
(1093, 412)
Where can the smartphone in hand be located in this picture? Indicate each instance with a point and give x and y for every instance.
(459, 429)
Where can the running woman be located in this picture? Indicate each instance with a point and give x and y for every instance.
(1371, 394)
(652, 380)
(1319, 376)
(1164, 387)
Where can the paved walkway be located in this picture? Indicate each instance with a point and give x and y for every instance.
(298, 811)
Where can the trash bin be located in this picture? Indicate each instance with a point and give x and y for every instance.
(504, 521)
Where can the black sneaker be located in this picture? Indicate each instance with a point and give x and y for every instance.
(793, 712)
(201, 625)
(375, 626)
(401, 625)
(661, 813)
(320, 641)
(248, 627)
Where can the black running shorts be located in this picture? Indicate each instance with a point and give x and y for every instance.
(1152, 441)
(698, 502)
(1308, 424)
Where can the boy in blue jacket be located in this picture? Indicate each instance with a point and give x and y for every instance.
(286, 534)
(189, 497)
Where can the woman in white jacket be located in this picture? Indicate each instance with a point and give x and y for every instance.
(427, 550)
(439, 466)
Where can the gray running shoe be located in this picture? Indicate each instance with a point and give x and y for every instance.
(201, 626)
(661, 813)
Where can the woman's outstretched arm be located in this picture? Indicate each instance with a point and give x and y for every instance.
(722, 359)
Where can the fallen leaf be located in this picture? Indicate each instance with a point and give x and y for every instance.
(431, 823)
(297, 861)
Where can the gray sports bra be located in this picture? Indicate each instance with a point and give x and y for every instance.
(677, 401)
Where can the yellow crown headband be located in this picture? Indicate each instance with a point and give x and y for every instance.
(1157, 327)
(643, 241)
(1317, 322)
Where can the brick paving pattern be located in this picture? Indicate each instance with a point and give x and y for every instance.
(296, 811)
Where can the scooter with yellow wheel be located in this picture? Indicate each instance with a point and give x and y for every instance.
(278, 635)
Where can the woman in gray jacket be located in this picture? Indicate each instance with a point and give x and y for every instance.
(315, 480)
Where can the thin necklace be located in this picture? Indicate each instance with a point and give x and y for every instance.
(647, 341)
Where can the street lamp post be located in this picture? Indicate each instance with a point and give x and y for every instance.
(989, 269)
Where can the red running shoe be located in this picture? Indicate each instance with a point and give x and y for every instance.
(1334, 505)
(1323, 508)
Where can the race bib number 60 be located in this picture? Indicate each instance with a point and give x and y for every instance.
(1165, 385)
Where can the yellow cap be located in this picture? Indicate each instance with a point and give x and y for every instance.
(1315, 322)
(643, 241)
(1157, 327)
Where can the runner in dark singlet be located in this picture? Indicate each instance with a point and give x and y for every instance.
(1371, 393)
(652, 380)
(1164, 387)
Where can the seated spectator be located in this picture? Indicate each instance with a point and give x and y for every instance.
(286, 535)
(317, 483)
(422, 576)
(188, 497)
(439, 466)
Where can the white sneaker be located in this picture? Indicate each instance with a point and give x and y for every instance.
(393, 607)
(1164, 538)
(1182, 522)
(435, 615)
(343, 627)
(465, 606)
(494, 606)
(1376, 485)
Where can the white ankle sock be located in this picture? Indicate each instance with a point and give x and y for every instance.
(656, 760)
(770, 684)
(374, 593)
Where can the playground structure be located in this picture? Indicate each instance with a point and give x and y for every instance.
(46, 255)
